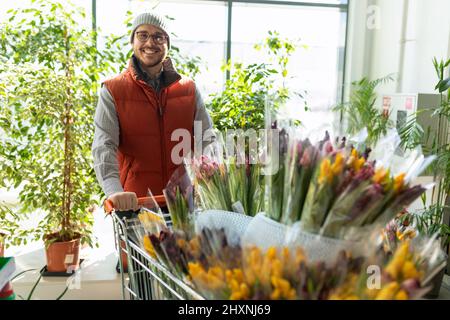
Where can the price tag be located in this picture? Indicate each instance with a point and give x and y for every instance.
(69, 258)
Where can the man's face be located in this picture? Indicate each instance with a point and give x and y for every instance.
(150, 45)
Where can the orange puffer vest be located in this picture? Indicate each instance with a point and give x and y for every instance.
(147, 120)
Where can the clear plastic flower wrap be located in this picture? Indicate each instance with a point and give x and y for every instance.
(277, 146)
(403, 274)
(179, 194)
(150, 220)
(211, 183)
(300, 163)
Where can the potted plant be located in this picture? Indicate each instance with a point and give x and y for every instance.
(361, 110)
(50, 70)
(242, 103)
(432, 220)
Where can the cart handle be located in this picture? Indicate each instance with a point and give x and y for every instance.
(160, 200)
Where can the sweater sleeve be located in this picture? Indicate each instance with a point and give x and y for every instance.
(203, 118)
(105, 144)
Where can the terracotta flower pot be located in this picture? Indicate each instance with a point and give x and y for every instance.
(63, 256)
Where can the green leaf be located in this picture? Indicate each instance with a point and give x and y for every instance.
(444, 85)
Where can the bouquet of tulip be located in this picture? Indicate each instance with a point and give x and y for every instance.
(397, 231)
(285, 273)
(360, 195)
(344, 190)
(333, 189)
(233, 185)
(167, 248)
(256, 189)
(179, 196)
(219, 270)
(238, 180)
(182, 254)
(278, 273)
(277, 150)
(246, 186)
(152, 224)
(301, 161)
(405, 274)
(211, 183)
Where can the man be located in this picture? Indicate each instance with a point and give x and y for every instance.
(136, 115)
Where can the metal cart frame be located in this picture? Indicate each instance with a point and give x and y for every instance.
(147, 278)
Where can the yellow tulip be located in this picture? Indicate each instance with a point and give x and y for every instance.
(238, 275)
(213, 282)
(194, 243)
(217, 272)
(149, 247)
(245, 291)
(234, 285)
(409, 271)
(371, 293)
(401, 295)
(359, 164)
(395, 266)
(181, 242)
(236, 296)
(338, 164)
(275, 295)
(388, 291)
(399, 182)
(325, 171)
(277, 268)
(380, 176)
(228, 275)
(271, 253)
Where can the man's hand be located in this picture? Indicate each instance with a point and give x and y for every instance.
(124, 201)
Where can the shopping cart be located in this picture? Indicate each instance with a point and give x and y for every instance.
(147, 278)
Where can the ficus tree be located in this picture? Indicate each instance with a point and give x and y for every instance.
(50, 74)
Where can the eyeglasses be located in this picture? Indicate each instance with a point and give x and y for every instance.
(157, 38)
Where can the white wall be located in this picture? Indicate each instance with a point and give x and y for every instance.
(400, 37)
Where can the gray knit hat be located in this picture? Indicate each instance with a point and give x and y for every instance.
(153, 19)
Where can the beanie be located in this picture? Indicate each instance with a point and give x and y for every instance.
(153, 19)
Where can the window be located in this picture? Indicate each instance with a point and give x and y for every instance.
(201, 29)
(316, 69)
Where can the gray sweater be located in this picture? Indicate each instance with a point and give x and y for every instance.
(107, 133)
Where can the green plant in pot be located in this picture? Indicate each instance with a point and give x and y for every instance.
(433, 219)
(360, 110)
(51, 70)
(242, 103)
